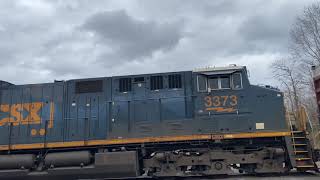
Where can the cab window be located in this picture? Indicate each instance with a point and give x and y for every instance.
(237, 81)
(217, 82)
(225, 82)
(214, 83)
(202, 83)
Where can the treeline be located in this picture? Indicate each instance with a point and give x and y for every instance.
(294, 71)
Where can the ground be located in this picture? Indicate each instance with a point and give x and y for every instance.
(282, 177)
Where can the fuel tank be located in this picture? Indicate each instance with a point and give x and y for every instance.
(17, 161)
(63, 159)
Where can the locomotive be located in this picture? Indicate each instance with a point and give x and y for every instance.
(208, 121)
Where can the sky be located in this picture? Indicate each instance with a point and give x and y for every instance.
(47, 40)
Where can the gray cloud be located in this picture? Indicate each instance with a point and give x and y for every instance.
(132, 38)
(269, 32)
(42, 40)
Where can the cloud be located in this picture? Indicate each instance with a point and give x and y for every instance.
(268, 29)
(131, 38)
(43, 40)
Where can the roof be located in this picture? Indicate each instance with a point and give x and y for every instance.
(219, 70)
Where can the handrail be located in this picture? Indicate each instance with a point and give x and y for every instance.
(314, 134)
(309, 121)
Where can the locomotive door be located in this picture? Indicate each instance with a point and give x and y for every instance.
(85, 113)
(91, 113)
(139, 103)
(90, 116)
(125, 111)
(216, 102)
(139, 88)
(76, 118)
(220, 105)
(120, 119)
(202, 108)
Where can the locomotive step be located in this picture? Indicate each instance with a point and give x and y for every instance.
(299, 144)
(298, 137)
(306, 166)
(301, 151)
(302, 159)
(295, 132)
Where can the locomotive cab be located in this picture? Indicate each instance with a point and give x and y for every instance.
(225, 99)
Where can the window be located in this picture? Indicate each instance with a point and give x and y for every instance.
(175, 81)
(156, 82)
(237, 81)
(225, 82)
(214, 83)
(222, 82)
(89, 86)
(202, 83)
(218, 82)
(124, 84)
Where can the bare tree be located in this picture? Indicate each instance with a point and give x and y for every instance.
(286, 72)
(294, 72)
(305, 35)
(294, 78)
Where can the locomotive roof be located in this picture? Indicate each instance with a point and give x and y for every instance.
(220, 70)
(225, 68)
(207, 71)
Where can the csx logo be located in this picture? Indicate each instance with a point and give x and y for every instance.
(26, 113)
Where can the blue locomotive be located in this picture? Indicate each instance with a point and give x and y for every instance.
(203, 122)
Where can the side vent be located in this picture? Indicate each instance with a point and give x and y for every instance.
(156, 82)
(175, 81)
(89, 86)
(124, 84)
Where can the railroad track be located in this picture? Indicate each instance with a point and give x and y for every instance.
(294, 175)
(289, 176)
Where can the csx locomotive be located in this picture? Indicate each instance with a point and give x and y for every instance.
(203, 122)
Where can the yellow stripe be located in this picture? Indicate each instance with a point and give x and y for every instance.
(256, 135)
(65, 144)
(143, 140)
(3, 147)
(150, 140)
(27, 146)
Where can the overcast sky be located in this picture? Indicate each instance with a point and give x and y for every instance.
(43, 40)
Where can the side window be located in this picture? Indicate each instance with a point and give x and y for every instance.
(202, 83)
(237, 81)
(175, 81)
(124, 84)
(225, 82)
(214, 83)
(156, 82)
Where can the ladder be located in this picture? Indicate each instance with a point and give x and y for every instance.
(301, 148)
(302, 151)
